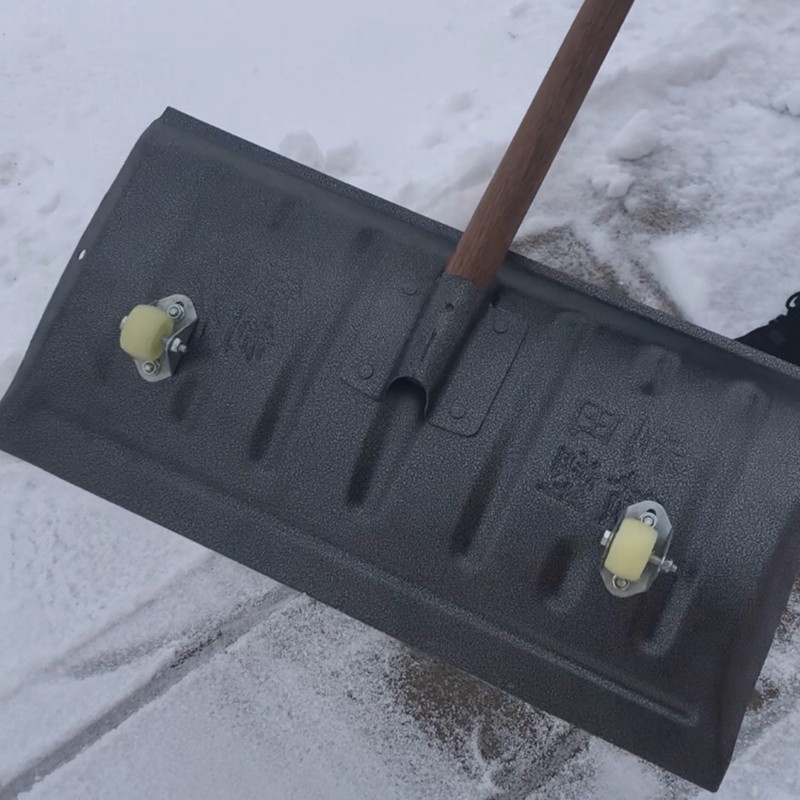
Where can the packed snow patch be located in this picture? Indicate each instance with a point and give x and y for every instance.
(612, 180)
(638, 138)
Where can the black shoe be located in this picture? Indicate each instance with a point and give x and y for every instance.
(781, 337)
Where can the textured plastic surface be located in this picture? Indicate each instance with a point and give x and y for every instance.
(478, 541)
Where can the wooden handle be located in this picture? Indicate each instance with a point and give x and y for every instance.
(485, 242)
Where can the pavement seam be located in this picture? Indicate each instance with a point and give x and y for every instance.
(193, 655)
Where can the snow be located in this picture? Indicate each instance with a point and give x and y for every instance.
(71, 566)
(639, 137)
(613, 180)
(308, 743)
(789, 102)
(134, 663)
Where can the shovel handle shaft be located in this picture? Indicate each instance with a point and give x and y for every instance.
(485, 242)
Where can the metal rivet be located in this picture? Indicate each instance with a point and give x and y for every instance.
(500, 325)
(457, 411)
(365, 371)
(151, 367)
(621, 584)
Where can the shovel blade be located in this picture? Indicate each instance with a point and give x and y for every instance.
(467, 522)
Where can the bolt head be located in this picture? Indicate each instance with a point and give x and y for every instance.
(649, 520)
(457, 411)
(176, 311)
(151, 367)
(500, 325)
(621, 583)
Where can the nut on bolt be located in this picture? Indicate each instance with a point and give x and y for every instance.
(176, 311)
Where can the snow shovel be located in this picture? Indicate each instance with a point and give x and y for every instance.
(578, 499)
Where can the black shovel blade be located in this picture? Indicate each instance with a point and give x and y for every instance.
(472, 531)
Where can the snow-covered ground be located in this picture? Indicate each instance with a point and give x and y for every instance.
(134, 663)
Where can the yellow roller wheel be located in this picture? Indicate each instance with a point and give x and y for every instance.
(630, 550)
(143, 333)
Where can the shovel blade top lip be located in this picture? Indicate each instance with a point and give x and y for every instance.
(471, 529)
